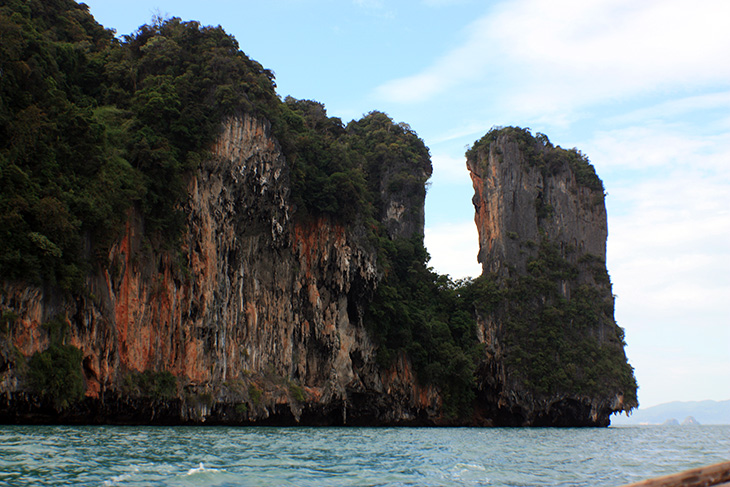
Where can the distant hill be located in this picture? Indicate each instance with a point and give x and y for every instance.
(704, 412)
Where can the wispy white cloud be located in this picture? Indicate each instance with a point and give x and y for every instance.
(678, 108)
(472, 130)
(670, 253)
(369, 3)
(453, 246)
(637, 148)
(558, 55)
(449, 169)
(413, 89)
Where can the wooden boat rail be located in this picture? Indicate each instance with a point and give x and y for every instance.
(717, 475)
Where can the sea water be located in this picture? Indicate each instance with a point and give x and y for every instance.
(259, 456)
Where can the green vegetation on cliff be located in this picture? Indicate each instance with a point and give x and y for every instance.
(91, 125)
(52, 163)
(55, 373)
(338, 170)
(550, 341)
(425, 316)
(538, 151)
(150, 384)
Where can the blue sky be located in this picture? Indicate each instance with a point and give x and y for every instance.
(643, 88)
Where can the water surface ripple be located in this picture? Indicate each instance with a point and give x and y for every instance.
(225, 456)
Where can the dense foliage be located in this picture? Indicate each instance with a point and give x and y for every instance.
(555, 344)
(51, 148)
(396, 161)
(150, 384)
(340, 171)
(55, 373)
(91, 125)
(427, 317)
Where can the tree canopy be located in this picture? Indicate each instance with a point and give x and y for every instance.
(91, 125)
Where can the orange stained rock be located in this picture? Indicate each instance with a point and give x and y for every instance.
(29, 338)
(481, 216)
(123, 298)
(314, 394)
(488, 229)
(191, 359)
(312, 237)
(252, 316)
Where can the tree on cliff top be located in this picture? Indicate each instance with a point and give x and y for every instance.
(52, 162)
(540, 152)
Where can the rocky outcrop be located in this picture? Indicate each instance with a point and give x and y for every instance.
(257, 317)
(401, 191)
(222, 274)
(518, 199)
(542, 225)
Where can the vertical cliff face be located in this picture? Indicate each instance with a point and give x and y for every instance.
(519, 199)
(257, 317)
(554, 352)
(401, 189)
(203, 272)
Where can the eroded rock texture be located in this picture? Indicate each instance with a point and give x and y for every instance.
(519, 199)
(257, 317)
(554, 354)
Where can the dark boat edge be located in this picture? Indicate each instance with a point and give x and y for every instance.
(717, 475)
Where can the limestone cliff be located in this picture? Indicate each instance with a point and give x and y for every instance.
(257, 318)
(525, 190)
(180, 245)
(554, 354)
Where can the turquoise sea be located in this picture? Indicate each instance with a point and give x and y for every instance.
(258, 456)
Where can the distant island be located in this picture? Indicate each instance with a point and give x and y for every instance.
(693, 412)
